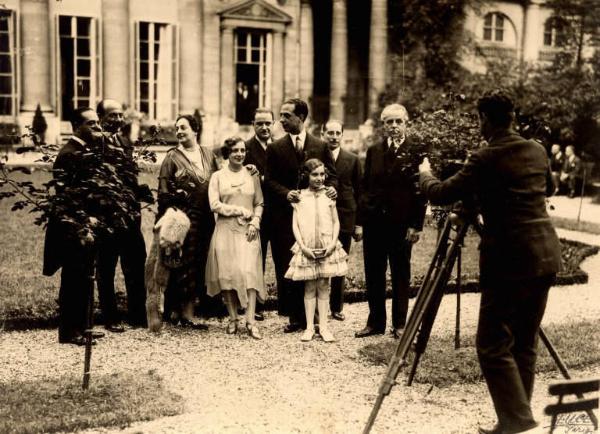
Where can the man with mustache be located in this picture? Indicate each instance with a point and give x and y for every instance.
(349, 174)
(127, 245)
(284, 159)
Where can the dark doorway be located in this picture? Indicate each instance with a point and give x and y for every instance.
(357, 96)
(322, 16)
(251, 74)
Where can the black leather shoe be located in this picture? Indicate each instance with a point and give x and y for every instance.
(495, 430)
(397, 332)
(75, 340)
(97, 334)
(192, 324)
(258, 316)
(339, 316)
(368, 331)
(292, 328)
(115, 328)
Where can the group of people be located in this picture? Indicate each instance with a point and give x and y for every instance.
(308, 198)
(567, 170)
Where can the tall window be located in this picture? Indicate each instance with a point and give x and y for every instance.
(78, 63)
(493, 27)
(156, 70)
(8, 85)
(253, 74)
(554, 32)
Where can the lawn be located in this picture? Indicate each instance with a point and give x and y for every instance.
(27, 298)
(60, 405)
(578, 344)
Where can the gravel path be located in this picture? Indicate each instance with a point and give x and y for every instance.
(234, 384)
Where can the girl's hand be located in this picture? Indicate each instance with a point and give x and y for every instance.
(330, 248)
(307, 252)
(251, 233)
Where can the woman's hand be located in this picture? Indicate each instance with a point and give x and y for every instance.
(308, 252)
(247, 214)
(251, 233)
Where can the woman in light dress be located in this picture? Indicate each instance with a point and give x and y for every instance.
(234, 266)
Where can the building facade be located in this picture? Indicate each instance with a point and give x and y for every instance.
(221, 57)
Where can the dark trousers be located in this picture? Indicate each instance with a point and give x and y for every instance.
(129, 246)
(382, 241)
(290, 294)
(336, 297)
(265, 237)
(75, 294)
(509, 319)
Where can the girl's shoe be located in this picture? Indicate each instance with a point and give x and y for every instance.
(326, 335)
(232, 327)
(253, 331)
(307, 335)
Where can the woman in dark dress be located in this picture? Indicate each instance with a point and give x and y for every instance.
(183, 184)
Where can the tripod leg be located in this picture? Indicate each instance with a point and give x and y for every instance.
(563, 370)
(458, 291)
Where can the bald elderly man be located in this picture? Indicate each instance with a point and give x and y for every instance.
(391, 213)
(128, 245)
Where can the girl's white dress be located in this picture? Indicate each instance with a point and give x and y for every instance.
(314, 213)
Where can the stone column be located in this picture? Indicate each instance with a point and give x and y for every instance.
(227, 73)
(377, 51)
(532, 33)
(115, 42)
(190, 55)
(306, 51)
(35, 64)
(339, 60)
(277, 85)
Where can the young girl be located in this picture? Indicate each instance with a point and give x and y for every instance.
(318, 255)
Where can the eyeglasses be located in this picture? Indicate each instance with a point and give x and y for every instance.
(392, 121)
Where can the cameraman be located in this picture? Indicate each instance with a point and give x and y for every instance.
(519, 254)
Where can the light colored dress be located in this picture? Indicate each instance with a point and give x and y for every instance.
(314, 214)
(234, 263)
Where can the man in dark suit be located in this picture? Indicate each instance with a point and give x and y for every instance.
(127, 245)
(572, 171)
(284, 160)
(391, 212)
(256, 154)
(349, 175)
(520, 254)
(64, 247)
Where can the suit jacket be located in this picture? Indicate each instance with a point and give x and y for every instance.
(573, 168)
(69, 168)
(283, 165)
(389, 187)
(557, 161)
(510, 180)
(257, 155)
(349, 175)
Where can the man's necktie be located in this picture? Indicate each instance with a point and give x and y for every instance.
(298, 146)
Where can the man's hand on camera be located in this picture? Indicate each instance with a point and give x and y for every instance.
(425, 167)
(293, 196)
(412, 235)
(358, 233)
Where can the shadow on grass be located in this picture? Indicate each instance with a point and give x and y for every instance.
(51, 405)
(577, 343)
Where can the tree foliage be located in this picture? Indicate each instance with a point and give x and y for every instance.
(104, 198)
